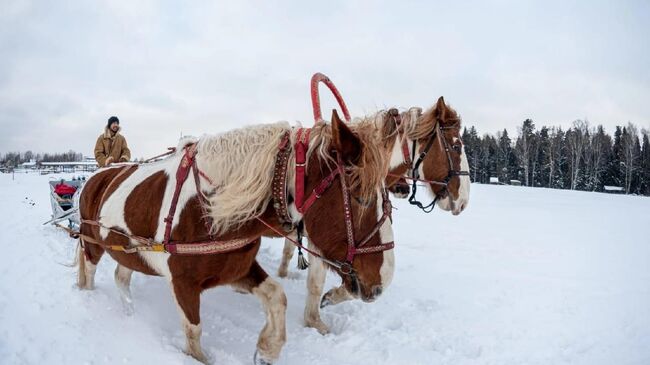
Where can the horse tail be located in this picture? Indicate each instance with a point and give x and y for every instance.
(75, 261)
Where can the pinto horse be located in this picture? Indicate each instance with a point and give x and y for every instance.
(433, 139)
(226, 205)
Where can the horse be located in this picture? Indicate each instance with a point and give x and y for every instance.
(196, 217)
(429, 146)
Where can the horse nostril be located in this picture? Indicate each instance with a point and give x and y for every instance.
(376, 291)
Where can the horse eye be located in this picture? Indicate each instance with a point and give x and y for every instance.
(458, 148)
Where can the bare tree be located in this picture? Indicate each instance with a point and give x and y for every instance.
(523, 147)
(575, 139)
(630, 157)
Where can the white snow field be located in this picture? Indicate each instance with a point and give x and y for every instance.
(523, 276)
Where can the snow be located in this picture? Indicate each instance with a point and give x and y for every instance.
(523, 276)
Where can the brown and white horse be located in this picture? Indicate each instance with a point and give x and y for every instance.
(230, 200)
(435, 136)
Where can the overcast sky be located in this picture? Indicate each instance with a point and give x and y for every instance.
(166, 68)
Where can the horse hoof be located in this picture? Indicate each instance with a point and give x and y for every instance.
(259, 361)
(128, 308)
(200, 357)
(319, 326)
(325, 301)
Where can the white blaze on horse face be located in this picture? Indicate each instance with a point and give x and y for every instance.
(458, 205)
(396, 155)
(386, 235)
(465, 183)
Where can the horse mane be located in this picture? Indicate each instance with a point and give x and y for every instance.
(388, 131)
(240, 164)
(371, 169)
(423, 127)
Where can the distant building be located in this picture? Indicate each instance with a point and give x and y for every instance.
(515, 182)
(29, 165)
(88, 164)
(494, 180)
(613, 189)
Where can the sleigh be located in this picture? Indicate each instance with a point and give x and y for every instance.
(65, 201)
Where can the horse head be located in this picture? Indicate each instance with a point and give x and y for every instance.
(350, 222)
(426, 147)
(439, 128)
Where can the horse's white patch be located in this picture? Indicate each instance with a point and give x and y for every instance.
(465, 182)
(315, 281)
(458, 205)
(386, 235)
(386, 229)
(273, 335)
(396, 155)
(112, 212)
(192, 334)
(387, 269)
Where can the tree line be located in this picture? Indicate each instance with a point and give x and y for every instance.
(581, 158)
(14, 159)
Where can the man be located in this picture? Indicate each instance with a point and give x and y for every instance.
(111, 145)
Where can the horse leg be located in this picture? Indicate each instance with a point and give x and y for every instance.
(287, 255)
(315, 281)
(123, 281)
(188, 299)
(274, 301)
(335, 296)
(88, 257)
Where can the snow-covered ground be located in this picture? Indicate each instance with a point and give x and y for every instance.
(523, 276)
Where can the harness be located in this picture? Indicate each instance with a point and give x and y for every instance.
(205, 247)
(414, 167)
(303, 204)
(280, 204)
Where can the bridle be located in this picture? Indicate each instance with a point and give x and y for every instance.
(414, 167)
(303, 204)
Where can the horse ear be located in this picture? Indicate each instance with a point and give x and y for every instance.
(346, 143)
(441, 109)
(390, 126)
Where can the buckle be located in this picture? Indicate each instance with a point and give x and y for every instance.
(346, 268)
